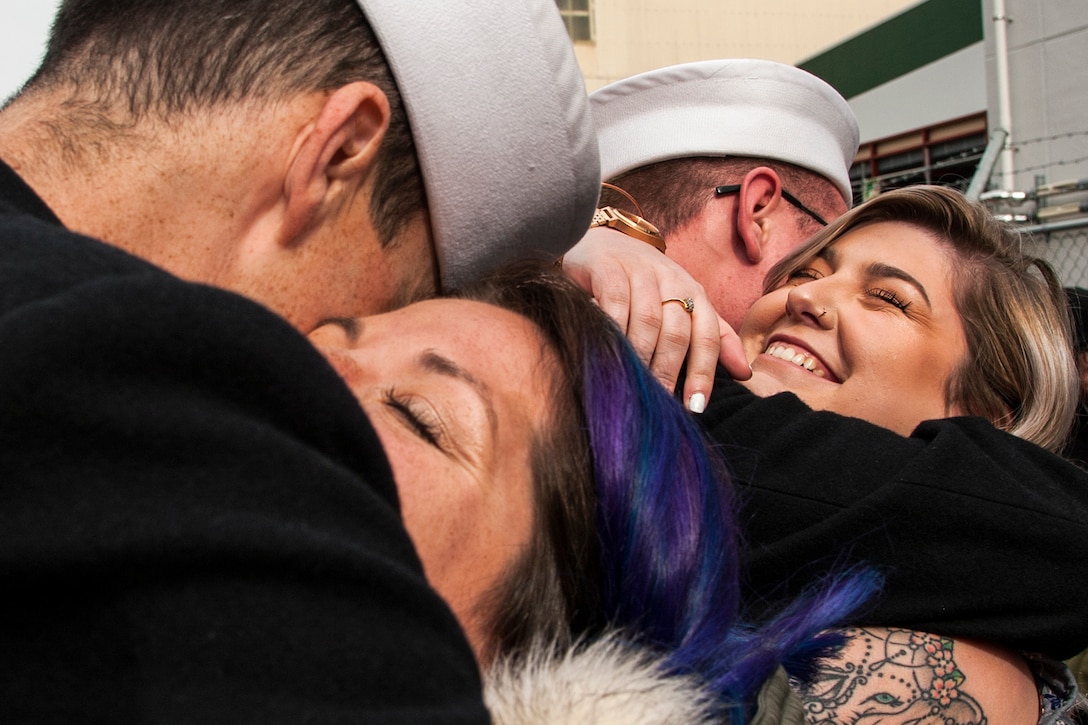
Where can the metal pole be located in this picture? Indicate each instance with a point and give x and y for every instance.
(986, 164)
(1004, 106)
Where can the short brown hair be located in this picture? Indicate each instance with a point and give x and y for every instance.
(122, 61)
(671, 193)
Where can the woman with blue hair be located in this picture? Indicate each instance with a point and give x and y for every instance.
(557, 494)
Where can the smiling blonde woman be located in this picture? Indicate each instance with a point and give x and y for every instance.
(934, 311)
(913, 374)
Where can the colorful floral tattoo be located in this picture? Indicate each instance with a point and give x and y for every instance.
(891, 676)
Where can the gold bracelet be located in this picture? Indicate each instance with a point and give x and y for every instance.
(630, 224)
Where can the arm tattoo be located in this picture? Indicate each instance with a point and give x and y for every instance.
(890, 676)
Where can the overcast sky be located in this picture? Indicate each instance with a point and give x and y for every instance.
(24, 25)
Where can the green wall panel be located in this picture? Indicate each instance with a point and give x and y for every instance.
(918, 36)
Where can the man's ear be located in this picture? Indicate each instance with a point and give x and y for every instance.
(760, 193)
(334, 155)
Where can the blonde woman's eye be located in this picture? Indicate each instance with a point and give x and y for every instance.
(805, 273)
(888, 296)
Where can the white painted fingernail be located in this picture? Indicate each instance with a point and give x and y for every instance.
(697, 403)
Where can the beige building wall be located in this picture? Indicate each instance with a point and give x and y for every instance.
(632, 36)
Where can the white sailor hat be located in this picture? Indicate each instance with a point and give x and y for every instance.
(732, 107)
(500, 117)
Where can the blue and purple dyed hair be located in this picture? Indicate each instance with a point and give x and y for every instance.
(636, 516)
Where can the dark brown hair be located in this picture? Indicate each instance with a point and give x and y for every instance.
(122, 61)
(635, 516)
(553, 590)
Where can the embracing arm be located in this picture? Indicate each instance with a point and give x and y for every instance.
(973, 529)
(199, 524)
(902, 677)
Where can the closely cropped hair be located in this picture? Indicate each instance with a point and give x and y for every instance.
(671, 193)
(119, 62)
(1019, 372)
(634, 516)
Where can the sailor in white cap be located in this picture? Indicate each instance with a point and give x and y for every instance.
(734, 162)
(200, 524)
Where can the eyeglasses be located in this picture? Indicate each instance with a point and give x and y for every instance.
(734, 188)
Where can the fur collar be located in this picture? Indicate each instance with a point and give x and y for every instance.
(606, 682)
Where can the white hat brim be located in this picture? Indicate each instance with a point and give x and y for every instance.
(730, 107)
(500, 117)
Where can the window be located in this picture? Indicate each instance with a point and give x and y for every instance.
(947, 154)
(578, 17)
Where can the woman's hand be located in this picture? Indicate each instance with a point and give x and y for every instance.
(629, 280)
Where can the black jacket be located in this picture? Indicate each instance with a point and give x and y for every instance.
(197, 522)
(978, 533)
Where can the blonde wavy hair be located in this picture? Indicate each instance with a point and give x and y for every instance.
(1019, 372)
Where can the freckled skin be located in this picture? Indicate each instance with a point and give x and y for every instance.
(710, 249)
(467, 498)
(207, 200)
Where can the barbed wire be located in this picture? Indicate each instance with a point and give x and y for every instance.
(1018, 143)
(994, 173)
(1040, 167)
(1043, 139)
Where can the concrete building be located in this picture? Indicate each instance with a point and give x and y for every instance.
(614, 39)
(987, 95)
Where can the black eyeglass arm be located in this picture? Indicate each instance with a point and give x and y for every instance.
(734, 188)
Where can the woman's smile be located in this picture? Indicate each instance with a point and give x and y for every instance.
(796, 353)
(868, 327)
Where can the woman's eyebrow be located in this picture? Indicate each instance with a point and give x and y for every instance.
(881, 270)
(442, 365)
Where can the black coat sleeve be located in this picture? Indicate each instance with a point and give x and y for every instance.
(978, 533)
(198, 523)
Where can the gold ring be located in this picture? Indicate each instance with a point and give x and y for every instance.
(687, 302)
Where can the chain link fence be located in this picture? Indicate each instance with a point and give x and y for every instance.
(1064, 246)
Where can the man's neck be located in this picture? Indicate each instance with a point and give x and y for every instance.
(176, 195)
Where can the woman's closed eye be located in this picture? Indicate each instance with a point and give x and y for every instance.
(805, 273)
(418, 415)
(888, 296)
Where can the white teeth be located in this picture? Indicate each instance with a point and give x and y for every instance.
(783, 352)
